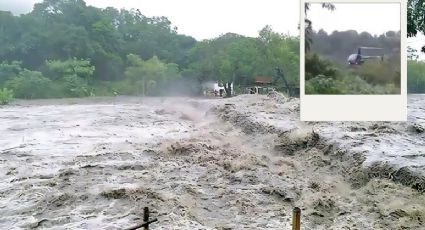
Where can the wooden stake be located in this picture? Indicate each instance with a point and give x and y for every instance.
(296, 218)
(146, 217)
(146, 221)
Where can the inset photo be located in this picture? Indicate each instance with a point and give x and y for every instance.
(352, 48)
(353, 60)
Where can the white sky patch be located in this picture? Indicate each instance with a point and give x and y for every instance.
(17, 6)
(375, 18)
(203, 19)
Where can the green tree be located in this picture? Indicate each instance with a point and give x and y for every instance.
(415, 76)
(73, 74)
(280, 51)
(150, 74)
(29, 85)
(415, 18)
(9, 70)
(56, 69)
(6, 96)
(322, 84)
(315, 65)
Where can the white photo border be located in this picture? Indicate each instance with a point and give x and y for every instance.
(355, 107)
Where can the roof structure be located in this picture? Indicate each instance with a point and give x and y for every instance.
(263, 79)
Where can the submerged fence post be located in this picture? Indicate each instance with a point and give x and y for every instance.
(146, 217)
(296, 218)
(146, 221)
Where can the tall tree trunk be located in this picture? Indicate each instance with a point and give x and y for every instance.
(228, 89)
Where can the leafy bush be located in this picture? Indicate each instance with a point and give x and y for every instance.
(71, 77)
(373, 77)
(352, 84)
(149, 73)
(75, 86)
(6, 96)
(127, 87)
(348, 84)
(9, 70)
(29, 85)
(416, 77)
(377, 72)
(316, 65)
(56, 69)
(322, 84)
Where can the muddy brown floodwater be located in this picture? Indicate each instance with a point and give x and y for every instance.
(238, 163)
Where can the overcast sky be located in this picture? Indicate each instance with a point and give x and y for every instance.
(375, 18)
(209, 18)
(203, 18)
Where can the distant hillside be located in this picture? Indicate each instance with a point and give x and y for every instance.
(340, 44)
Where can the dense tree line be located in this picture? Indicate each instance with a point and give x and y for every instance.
(59, 29)
(66, 48)
(338, 45)
(232, 57)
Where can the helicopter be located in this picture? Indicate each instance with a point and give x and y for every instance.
(358, 58)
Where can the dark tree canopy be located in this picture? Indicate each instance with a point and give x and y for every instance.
(416, 18)
(339, 44)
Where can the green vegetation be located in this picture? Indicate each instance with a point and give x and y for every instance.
(315, 66)
(65, 48)
(324, 76)
(379, 73)
(339, 44)
(415, 76)
(149, 77)
(56, 78)
(6, 96)
(29, 84)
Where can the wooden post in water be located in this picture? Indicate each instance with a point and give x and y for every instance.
(296, 218)
(146, 221)
(146, 217)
